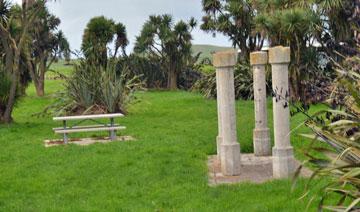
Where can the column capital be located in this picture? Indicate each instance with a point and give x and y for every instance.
(279, 55)
(259, 58)
(225, 59)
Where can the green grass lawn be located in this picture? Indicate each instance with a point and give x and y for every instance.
(164, 170)
(60, 67)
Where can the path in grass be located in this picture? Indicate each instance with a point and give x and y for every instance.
(164, 169)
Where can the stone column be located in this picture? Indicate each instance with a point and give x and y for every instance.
(283, 154)
(219, 137)
(261, 133)
(224, 63)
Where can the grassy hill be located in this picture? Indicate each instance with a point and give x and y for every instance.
(207, 50)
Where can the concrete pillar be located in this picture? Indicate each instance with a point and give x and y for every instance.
(219, 137)
(224, 63)
(283, 154)
(261, 133)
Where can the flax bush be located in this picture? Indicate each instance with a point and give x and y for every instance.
(91, 89)
(337, 129)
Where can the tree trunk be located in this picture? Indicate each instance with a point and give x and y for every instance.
(37, 74)
(13, 88)
(40, 91)
(40, 87)
(172, 80)
(9, 60)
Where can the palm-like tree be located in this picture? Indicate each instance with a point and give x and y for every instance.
(168, 43)
(62, 49)
(14, 45)
(4, 10)
(99, 33)
(121, 40)
(234, 19)
(47, 45)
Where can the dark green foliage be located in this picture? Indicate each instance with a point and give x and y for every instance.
(5, 84)
(188, 78)
(150, 71)
(153, 75)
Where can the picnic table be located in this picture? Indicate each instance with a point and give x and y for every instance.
(111, 126)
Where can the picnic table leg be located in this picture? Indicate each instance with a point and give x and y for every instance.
(112, 132)
(65, 134)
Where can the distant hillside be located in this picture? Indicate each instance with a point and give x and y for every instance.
(207, 50)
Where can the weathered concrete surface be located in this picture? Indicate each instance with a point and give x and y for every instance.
(229, 148)
(262, 142)
(225, 59)
(284, 162)
(219, 137)
(254, 169)
(86, 141)
(261, 133)
(279, 55)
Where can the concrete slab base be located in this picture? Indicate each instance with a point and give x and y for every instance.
(86, 141)
(253, 169)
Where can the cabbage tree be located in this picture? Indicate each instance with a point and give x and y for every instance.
(170, 44)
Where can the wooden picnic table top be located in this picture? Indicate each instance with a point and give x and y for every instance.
(82, 117)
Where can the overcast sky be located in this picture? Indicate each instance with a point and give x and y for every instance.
(75, 14)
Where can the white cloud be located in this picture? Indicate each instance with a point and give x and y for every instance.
(17, 1)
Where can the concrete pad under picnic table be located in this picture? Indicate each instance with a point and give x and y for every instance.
(87, 141)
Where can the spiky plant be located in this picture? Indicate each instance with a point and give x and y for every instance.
(94, 89)
(338, 129)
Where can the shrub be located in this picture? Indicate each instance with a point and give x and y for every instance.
(91, 90)
(188, 78)
(243, 81)
(154, 76)
(149, 71)
(338, 128)
(207, 69)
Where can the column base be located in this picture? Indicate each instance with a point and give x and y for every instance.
(230, 159)
(261, 141)
(283, 162)
(218, 146)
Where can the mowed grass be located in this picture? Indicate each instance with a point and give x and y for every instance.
(60, 67)
(164, 169)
